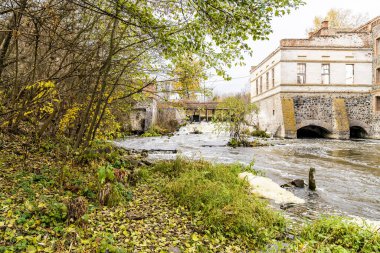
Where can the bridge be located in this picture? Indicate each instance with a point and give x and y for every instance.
(194, 111)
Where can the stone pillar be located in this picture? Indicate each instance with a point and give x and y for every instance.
(341, 124)
(151, 113)
(289, 118)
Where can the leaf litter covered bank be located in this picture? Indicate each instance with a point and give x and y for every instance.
(55, 199)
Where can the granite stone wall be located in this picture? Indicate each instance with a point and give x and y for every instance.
(336, 113)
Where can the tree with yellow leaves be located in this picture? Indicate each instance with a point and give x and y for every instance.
(339, 18)
(188, 75)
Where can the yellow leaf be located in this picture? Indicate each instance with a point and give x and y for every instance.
(85, 241)
(41, 205)
(194, 237)
(29, 206)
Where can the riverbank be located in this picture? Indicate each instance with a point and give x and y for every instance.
(55, 199)
(347, 172)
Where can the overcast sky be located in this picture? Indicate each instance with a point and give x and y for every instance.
(289, 26)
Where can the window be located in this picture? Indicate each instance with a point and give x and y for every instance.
(325, 73)
(301, 73)
(378, 46)
(257, 86)
(349, 73)
(261, 84)
(377, 102)
(267, 80)
(378, 76)
(273, 77)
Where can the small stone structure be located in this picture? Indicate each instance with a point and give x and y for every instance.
(326, 85)
(149, 112)
(143, 115)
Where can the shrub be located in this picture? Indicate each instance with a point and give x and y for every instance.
(233, 142)
(260, 133)
(112, 192)
(155, 131)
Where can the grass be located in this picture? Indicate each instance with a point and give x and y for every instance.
(194, 206)
(214, 194)
(222, 199)
(336, 234)
(42, 184)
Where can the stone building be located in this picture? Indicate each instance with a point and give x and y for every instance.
(326, 85)
(143, 115)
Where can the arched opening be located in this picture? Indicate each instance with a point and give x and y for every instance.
(312, 131)
(357, 132)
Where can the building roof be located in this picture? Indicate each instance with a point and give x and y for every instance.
(367, 27)
(327, 37)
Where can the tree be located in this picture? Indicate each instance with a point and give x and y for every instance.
(67, 66)
(340, 18)
(188, 75)
(234, 115)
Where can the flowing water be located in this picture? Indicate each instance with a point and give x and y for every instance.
(347, 172)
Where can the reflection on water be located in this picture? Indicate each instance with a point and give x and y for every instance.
(348, 172)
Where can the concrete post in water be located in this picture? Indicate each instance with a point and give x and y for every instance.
(312, 185)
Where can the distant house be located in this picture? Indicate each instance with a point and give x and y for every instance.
(326, 85)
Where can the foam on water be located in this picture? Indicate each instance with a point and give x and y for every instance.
(266, 188)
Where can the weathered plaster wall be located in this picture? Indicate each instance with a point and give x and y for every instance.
(143, 115)
(170, 117)
(289, 127)
(270, 115)
(272, 62)
(362, 60)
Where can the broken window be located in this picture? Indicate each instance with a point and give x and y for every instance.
(267, 80)
(325, 73)
(349, 73)
(301, 73)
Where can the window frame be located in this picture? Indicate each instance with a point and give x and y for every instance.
(353, 74)
(267, 80)
(377, 104)
(261, 84)
(301, 74)
(273, 80)
(323, 74)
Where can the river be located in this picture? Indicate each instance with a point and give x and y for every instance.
(347, 172)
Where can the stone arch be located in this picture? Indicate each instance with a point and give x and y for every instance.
(313, 131)
(358, 123)
(358, 129)
(318, 123)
